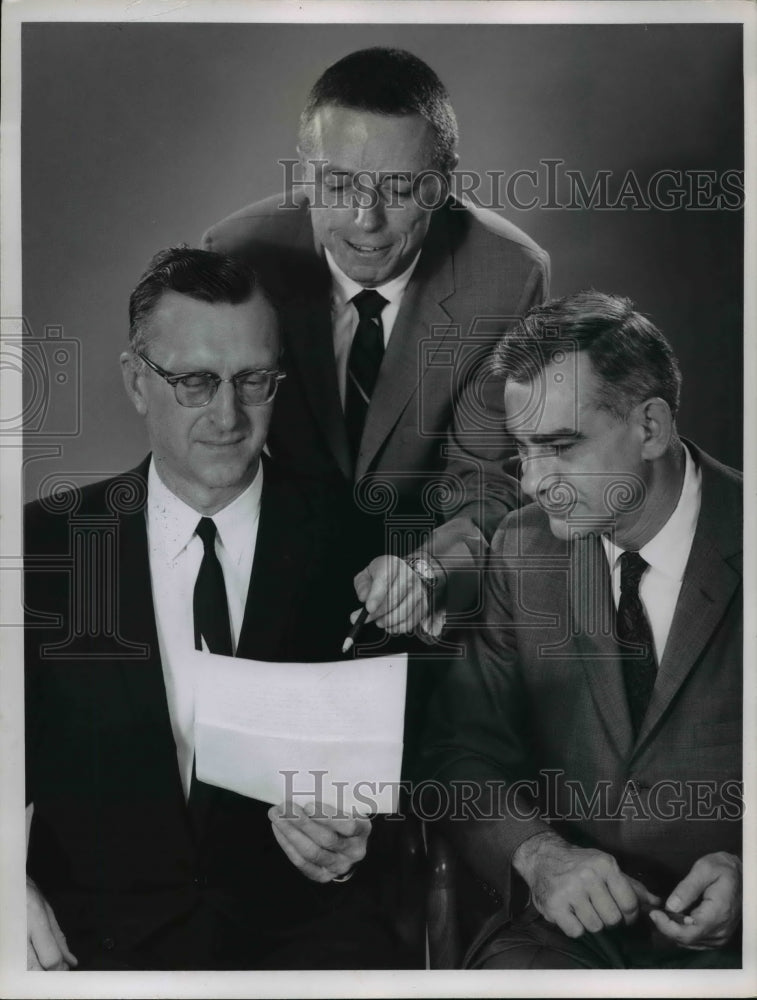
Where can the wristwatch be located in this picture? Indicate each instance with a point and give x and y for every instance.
(426, 572)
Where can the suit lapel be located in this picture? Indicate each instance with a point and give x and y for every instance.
(282, 545)
(143, 684)
(709, 584)
(307, 315)
(306, 322)
(144, 679)
(593, 618)
(403, 367)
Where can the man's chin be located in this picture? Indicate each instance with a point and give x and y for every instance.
(559, 526)
(226, 475)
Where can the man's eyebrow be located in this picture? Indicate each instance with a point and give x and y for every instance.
(381, 175)
(561, 434)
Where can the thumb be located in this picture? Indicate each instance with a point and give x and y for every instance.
(689, 889)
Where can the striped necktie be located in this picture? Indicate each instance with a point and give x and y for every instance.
(365, 358)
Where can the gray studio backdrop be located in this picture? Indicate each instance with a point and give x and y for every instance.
(137, 136)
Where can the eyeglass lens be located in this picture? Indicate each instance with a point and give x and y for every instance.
(252, 389)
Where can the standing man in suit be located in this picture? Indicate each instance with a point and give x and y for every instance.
(597, 718)
(132, 862)
(389, 291)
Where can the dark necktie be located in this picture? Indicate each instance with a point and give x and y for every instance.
(211, 615)
(211, 611)
(639, 664)
(364, 362)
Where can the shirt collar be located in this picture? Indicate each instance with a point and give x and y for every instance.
(172, 522)
(344, 288)
(668, 551)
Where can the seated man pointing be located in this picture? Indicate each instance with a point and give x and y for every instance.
(596, 722)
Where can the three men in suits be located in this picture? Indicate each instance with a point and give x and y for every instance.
(132, 862)
(391, 294)
(595, 725)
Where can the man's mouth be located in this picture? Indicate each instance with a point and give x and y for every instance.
(366, 248)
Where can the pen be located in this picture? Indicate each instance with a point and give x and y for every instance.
(349, 642)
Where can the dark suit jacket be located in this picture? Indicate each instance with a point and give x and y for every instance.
(475, 273)
(113, 846)
(542, 690)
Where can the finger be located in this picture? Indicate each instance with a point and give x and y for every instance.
(314, 856)
(606, 908)
(32, 962)
(643, 894)
(325, 833)
(321, 834)
(376, 598)
(344, 826)
(311, 850)
(60, 937)
(626, 895)
(685, 935)
(586, 912)
(568, 922)
(313, 872)
(690, 889)
(46, 948)
(362, 584)
(710, 915)
(407, 614)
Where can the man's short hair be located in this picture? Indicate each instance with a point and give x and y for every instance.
(200, 274)
(386, 82)
(631, 358)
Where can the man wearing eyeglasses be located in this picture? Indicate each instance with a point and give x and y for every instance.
(132, 862)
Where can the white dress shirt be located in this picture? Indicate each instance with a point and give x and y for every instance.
(344, 315)
(667, 554)
(175, 555)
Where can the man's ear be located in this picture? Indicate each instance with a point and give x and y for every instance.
(656, 427)
(132, 377)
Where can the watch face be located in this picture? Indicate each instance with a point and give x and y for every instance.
(424, 570)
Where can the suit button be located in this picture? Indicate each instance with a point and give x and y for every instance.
(109, 944)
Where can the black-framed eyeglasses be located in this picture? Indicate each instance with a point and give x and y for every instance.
(253, 388)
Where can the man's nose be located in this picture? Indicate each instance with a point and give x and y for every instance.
(369, 216)
(534, 470)
(225, 406)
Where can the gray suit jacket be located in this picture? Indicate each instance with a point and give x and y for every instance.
(432, 444)
(541, 698)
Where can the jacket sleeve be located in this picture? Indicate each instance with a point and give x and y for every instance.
(480, 459)
(477, 742)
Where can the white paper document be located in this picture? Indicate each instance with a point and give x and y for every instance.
(305, 732)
